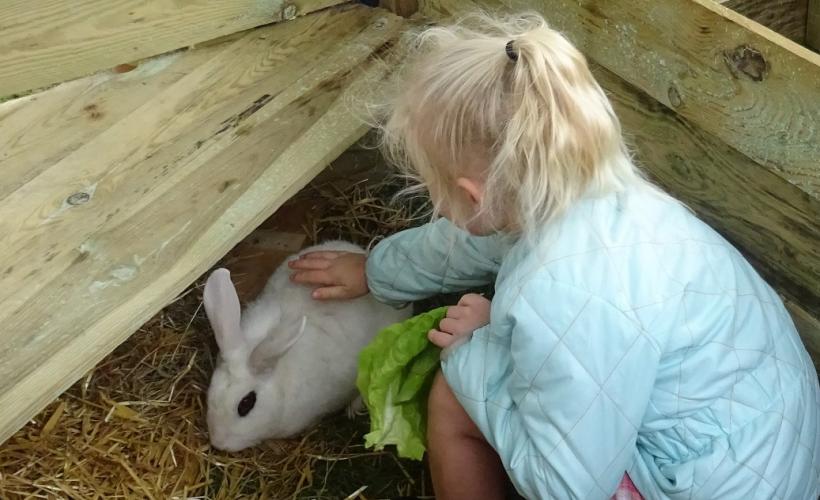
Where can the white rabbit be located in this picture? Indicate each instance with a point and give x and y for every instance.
(289, 360)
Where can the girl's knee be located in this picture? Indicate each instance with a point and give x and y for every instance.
(442, 399)
(445, 415)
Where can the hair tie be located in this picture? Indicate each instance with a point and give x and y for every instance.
(511, 53)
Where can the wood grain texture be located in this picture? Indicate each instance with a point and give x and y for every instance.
(787, 17)
(38, 130)
(117, 224)
(813, 25)
(50, 41)
(751, 88)
(809, 328)
(404, 8)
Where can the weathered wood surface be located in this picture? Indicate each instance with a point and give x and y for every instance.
(809, 328)
(813, 25)
(38, 130)
(50, 41)
(748, 86)
(787, 17)
(404, 8)
(123, 216)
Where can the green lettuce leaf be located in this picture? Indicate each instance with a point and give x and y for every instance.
(395, 373)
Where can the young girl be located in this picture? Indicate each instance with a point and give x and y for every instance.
(626, 342)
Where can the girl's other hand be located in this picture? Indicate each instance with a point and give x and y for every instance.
(337, 275)
(471, 313)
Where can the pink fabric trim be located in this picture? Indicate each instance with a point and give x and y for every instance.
(627, 490)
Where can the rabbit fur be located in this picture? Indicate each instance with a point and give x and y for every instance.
(288, 359)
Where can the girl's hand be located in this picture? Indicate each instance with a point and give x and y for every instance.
(471, 313)
(337, 275)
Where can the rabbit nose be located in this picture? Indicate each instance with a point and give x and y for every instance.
(226, 442)
(223, 444)
(220, 441)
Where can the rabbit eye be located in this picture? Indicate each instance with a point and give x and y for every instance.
(247, 403)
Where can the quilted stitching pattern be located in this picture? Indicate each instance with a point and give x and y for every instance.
(633, 338)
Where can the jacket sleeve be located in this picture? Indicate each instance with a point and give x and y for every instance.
(558, 386)
(435, 258)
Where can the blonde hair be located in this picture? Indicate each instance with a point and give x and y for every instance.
(540, 124)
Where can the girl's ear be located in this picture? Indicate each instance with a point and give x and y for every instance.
(472, 188)
(223, 310)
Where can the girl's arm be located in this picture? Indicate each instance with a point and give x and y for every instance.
(435, 258)
(561, 398)
(410, 265)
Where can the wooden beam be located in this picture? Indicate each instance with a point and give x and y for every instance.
(787, 17)
(50, 41)
(746, 85)
(809, 328)
(404, 8)
(114, 227)
(78, 111)
(813, 25)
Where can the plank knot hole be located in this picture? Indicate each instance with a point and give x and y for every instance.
(80, 198)
(748, 61)
(289, 13)
(674, 96)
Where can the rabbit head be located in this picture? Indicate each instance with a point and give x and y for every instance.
(242, 397)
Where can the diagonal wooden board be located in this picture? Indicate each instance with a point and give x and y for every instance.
(813, 25)
(124, 196)
(787, 17)
(50, 41)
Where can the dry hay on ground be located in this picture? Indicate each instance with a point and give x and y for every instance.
(364, 212)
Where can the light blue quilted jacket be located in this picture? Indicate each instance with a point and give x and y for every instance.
(631, 337)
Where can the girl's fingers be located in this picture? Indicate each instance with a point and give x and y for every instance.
(318, 278)
(455, 312)
(326, 255)
(467, 299)
(309, 264)
(331, 293)
(440, 338)
(452, 326)
(472, 299)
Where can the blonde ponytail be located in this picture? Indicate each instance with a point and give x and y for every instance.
(518, 98)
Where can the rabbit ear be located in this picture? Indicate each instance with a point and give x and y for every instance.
(296, 337)
(273, 348)
(223, 310)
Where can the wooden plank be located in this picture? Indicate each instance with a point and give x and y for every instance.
(29, 125)
(813, 25)
(748, 86)
(105, 236)
(51, 41)
(787, 17)
(809, 328)
(404, 8)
